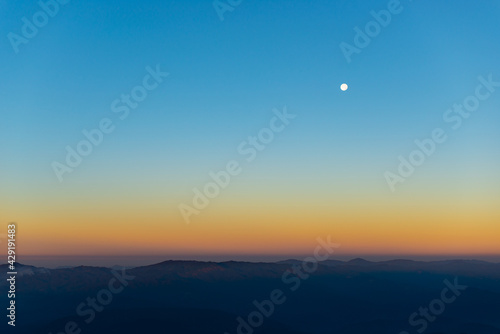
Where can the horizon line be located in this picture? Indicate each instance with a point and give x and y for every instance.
(53, 262)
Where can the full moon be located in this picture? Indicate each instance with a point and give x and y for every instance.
(344, 87)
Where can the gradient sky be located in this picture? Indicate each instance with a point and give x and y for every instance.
(323, 175)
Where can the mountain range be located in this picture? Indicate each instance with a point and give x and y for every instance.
(345, 297)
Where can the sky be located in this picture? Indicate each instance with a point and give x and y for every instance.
(218, 83)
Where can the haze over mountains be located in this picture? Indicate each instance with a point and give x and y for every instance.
(346, 297)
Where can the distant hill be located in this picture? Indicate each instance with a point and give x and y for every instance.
(346, 297)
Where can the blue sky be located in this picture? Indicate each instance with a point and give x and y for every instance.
(227, 75)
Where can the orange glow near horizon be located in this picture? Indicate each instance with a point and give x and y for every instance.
(266, 228)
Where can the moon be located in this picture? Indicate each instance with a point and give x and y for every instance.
(343, 87)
